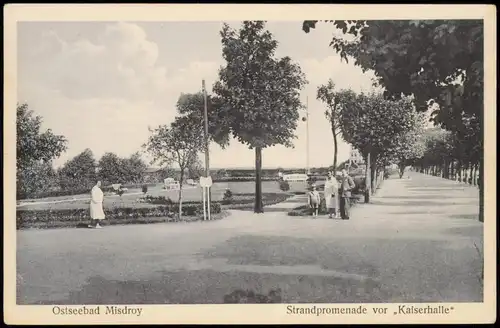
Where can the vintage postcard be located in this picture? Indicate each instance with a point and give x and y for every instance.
(280, 164)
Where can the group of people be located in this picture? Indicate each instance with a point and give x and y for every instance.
(337, 196)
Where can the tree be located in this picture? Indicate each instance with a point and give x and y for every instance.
(408, 148)
(38, 177)
(260, 94)
(334, 100)
(221, 174)
(378, 127)
(111, 169)
(410, 151)
(195, 169)
(439, 148)
(440, 62)
(32, 145)
(190, 107)
(34, 151)
(134, 168)
(79, 172)
(175, 144)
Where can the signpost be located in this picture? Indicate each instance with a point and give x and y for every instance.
(206, 183)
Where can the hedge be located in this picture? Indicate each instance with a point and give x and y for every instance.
(57, 193)
(26, 218)
(162, 200)
(61, 193)
(267, 199)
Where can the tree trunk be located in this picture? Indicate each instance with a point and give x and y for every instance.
(474, 174)
(401, 170)
(259, 206)
(481, 189)
(373, 176)
(466, 178)
(452, 169)
(367, 179)
(181, 180)
(459, 171)
(335, 148)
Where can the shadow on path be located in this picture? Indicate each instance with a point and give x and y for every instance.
(424, 204)
(212, 287)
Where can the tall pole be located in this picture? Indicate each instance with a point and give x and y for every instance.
(205, 112)
(307, 135)
(207, 158)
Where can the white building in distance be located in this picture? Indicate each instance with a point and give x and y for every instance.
(356, 157)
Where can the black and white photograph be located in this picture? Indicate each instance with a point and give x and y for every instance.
(332, 168)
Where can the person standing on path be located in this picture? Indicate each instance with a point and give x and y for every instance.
(331, 195)
(346, 185)
(96, 207)
(314, 200)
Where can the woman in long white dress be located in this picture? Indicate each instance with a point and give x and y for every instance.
(96, 207)
(331, 195)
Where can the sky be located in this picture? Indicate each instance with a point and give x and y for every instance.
(103, 84)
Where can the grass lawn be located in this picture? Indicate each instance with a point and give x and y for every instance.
(130, 199)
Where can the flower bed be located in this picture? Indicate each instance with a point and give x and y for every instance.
(246, 201)
(27, 219)
(238, 179)
(236, 201)
(141, 220)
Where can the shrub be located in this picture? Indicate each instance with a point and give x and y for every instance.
(160, 200)
(26, 218)
(228, 197)
(284, 186)
(136, 186)
(267, 199)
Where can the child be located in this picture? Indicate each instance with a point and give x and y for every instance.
(313, 200)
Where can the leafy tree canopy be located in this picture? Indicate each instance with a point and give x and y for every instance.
(79, 172)
(437, 61)
(32, 144)
(190, 106)
(260, 94)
